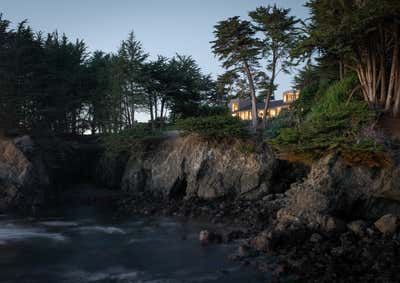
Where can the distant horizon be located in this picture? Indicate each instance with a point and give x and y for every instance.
(184, 27)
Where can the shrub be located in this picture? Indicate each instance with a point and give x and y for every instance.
(309, 96)
(285, 119)
(207, 110)
(332, 124)
(130, 140)
(300, 109)
(214, 126)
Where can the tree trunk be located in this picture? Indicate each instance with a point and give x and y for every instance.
(393, 76)
(382, 78)
(162, 113)
(151, 112)
(271, 89)
(252, 95)
(396, 107)
(368, 76)
(155, 104)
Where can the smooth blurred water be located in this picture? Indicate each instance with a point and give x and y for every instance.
(86, 244)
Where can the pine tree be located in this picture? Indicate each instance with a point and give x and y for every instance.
(279, 34)
(131, 59)
(365, 37)
(236, 46)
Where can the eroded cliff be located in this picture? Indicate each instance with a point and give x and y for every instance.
(192, 166)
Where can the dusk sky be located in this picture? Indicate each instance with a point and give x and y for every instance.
(164, 27)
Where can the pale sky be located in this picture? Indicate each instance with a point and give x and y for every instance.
(165, 27)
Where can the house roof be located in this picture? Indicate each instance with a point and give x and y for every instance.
(245, 105)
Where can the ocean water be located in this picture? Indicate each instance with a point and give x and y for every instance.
(87, 244)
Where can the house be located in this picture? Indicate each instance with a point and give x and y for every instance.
(242, 107)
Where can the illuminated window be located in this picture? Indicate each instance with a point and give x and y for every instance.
(235, 106)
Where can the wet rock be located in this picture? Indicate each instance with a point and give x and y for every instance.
(316, 238)
(358, 227)
(245, 250)
(25, 144)
(337, 251)
(207, 237)
(285, 215)
(387, 224)
(331, 224)
(278, 237)
(261, 242)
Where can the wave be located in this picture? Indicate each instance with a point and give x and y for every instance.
(15, 233)
(115, 274)
(102, 229)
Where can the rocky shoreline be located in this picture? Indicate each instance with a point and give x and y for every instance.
(332, 222)
(288, 251)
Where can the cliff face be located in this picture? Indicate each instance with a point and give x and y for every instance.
(334, 189)
(191, 166)
(32, 171)
(23, 178)
(194, 167)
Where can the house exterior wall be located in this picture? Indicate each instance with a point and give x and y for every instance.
(288, 98)
(246, 115)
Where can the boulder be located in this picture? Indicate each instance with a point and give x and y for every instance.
(358, 227)
(244, 250)
(207, 237)
(279, 236)
(25, 144)
(332, 224)
(261, 242)
(387, 224)
(316, 238)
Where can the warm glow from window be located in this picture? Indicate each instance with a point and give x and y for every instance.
(235, 107)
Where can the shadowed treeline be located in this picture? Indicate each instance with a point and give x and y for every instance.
(49, 84)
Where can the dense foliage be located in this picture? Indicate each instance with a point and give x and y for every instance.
(245, 46)
(334, 123)
(237, 47)
(130, 140)
(223, 126)
(51, 85)
(362, 36)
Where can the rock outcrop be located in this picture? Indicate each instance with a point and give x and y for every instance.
(35, 171)
(190, 166)
(23, 178)
(334, 190)
(388, 224)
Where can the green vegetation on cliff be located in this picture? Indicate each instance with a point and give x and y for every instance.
(130, 140)
(338, 120)
(223, 126)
